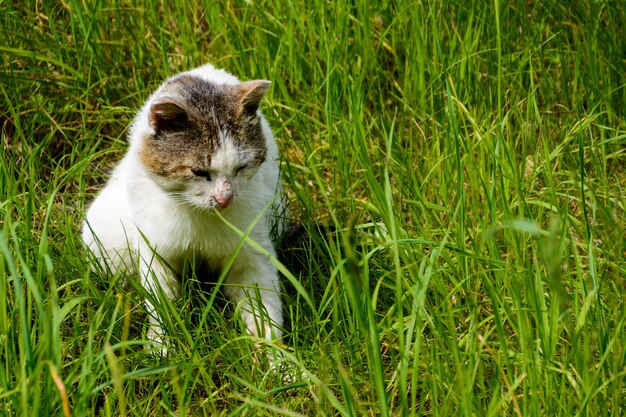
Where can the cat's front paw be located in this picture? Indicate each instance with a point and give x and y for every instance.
(288, 372)
(284, 367)
(157, 344)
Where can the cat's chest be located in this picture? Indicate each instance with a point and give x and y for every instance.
(180, 231)
(200, 234)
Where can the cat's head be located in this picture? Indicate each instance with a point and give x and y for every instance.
(205, 140)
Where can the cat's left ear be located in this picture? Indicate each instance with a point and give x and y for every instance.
(250, 93)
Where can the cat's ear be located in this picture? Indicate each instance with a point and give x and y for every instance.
(250, 93)
(166, 115)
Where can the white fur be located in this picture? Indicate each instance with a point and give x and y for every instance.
(133, 203)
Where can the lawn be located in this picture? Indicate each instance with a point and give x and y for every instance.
(456, 177)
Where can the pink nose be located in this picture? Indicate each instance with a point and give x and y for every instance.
(224, 201)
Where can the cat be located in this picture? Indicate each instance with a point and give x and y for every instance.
(200, 153)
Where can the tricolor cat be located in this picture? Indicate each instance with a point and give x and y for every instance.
(199, 147)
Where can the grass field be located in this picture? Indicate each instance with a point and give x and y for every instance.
(458, 169)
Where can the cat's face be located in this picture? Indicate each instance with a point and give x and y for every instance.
(207, 142)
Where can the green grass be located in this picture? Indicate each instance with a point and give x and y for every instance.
(459, 169)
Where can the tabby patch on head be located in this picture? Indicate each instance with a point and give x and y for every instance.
(207, 141)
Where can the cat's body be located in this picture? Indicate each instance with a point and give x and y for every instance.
(198, 146)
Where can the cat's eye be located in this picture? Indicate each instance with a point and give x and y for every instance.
(240, 168)
(202, 173)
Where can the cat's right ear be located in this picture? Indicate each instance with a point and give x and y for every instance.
(250, 93)
(167, 116)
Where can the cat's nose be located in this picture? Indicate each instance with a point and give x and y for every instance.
(224, 200)
(223, 192)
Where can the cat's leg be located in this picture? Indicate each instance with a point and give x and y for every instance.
(156, 278)
(253, 282)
